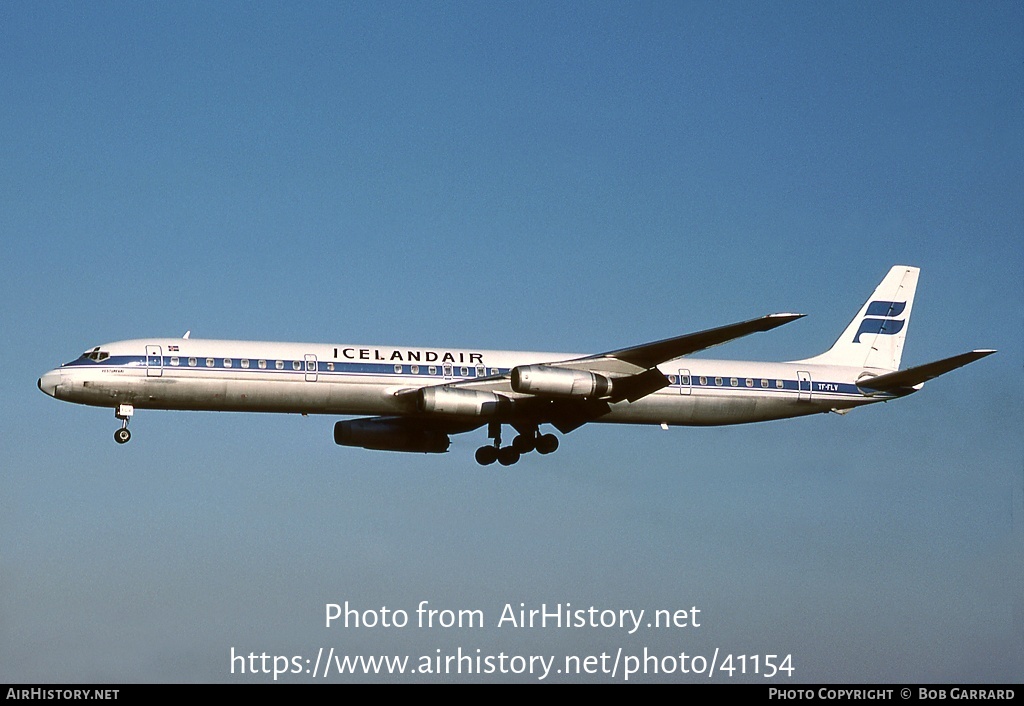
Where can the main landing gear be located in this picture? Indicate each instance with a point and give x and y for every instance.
(123, 412)
(529, 439)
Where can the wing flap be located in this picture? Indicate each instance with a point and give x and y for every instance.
(638, 386)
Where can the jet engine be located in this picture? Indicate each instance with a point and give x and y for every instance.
(463, 403)
(390, 435)
(559, 382)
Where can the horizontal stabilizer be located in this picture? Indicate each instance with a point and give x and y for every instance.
(911, 377)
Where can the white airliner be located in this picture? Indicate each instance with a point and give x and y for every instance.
(422, 395)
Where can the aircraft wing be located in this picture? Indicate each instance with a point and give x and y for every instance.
(634, 370)
(906, 381)
(637, 359)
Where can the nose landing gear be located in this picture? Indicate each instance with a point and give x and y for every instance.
(123, 412)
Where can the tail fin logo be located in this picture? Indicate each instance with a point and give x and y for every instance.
(878, 319)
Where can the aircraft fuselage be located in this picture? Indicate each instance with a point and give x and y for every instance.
(254, 376)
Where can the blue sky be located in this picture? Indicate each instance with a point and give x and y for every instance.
(540, 176)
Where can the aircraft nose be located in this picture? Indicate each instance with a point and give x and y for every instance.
(49, 381)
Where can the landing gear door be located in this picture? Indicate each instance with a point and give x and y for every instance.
(154, 361)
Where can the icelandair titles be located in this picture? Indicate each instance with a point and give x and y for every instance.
(407, 356)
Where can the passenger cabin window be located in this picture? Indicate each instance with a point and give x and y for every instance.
(330, 367)
(245, 362)
(779, 384)
(703, 380)
(463, 371)
(684, 379)
(174, 360)
(279, 364)
(494, 371)
(749, 382)
(764, 384)
(209, 362)
(414, 369)
(718, 381)
(192, 362)
(432, 370)
(296, 365)
(261, 364)
(480, 371)
(734, 382)
(671, 379)
(398, 369)
(227, 363)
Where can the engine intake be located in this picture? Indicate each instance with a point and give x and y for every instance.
(559, 382)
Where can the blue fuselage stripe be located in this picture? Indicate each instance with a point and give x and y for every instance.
(338, 369)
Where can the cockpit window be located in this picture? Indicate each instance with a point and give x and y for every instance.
(96, 355)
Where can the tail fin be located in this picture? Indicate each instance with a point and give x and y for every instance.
(875, 337)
